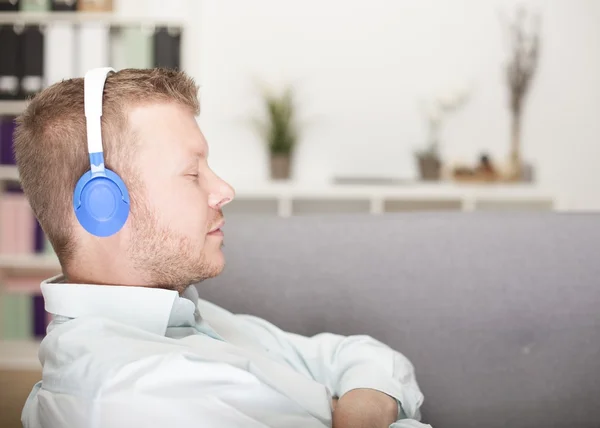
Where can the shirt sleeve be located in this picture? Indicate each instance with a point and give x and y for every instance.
(344, 363)
(173, 390)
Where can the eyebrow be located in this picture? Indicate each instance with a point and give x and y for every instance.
(192, 160)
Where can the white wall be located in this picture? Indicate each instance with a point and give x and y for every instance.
(361, 68)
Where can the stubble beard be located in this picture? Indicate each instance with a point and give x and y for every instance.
(168, 259)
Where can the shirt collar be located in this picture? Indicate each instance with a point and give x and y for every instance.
(151, 309)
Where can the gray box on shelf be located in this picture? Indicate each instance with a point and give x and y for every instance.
(497, 311)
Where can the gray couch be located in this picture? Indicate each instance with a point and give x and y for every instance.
(500, 313)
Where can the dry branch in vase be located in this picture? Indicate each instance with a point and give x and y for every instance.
(520, 70)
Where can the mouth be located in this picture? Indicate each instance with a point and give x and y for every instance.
(216, 229)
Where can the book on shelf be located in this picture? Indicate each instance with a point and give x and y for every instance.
(9, 63)
(132, 47)
(95, 5)
(7, 129)
(59, 46)
(92, 46)
(167, 47)
(35, 5)
(9, 5)
(63, 5)
(23, 313)
(32, 61)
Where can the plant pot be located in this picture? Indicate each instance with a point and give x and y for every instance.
(430, 166)
(280, 167)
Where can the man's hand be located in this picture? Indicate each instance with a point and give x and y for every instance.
(364, 408)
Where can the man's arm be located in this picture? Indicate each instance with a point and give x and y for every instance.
(359, 370)
(167, 391)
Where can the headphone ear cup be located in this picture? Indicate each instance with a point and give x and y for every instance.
(101, 203)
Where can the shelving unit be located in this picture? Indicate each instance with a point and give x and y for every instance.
(289, 199)
(23, 354)
(108, 18)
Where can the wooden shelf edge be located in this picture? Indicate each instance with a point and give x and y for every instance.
(29, 265)
(12, 107)
(19, 354)
(9, 173)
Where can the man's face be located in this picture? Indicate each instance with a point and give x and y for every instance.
(176, 213)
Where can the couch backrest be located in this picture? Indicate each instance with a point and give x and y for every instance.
(500, 313)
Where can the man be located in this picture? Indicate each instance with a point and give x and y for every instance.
(131, 344)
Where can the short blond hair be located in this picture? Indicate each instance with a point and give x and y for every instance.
(51, 145)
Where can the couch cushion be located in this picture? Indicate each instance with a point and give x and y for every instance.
(498, 312)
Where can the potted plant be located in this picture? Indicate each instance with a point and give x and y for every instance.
(279, 131)
(429, 159)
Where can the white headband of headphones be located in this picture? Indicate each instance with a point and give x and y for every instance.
(93, 92)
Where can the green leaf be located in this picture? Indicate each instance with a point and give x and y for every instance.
(278, 128)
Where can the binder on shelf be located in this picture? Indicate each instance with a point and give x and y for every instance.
(95, 5)
(131, 47)
(64, 5)
(18, 227)
(17, 316)
(39, 316)
(60, 50)
(9, 5)
(27, 319)
(8, 219)
(92, 47)
(40, 237)
(35, 5)
(10, 75)
(48, 249)
(167, 47)
(32, 55)
(7, 130)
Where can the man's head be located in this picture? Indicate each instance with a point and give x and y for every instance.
(152, 140)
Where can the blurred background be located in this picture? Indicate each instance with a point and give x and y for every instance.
(337, 106)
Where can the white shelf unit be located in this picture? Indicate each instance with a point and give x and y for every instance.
(8, 173)
(286, 199)
(12, 108)
(19, 355)
(76, 17)
(293, 199)
(23, 354)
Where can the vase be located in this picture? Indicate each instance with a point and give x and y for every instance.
(280, 166)
(430, 166)
(515, 163)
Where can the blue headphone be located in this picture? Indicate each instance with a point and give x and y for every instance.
(101, 199)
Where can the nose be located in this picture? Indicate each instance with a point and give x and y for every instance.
(220, 193)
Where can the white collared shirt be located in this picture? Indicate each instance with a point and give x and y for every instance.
(126, 357)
